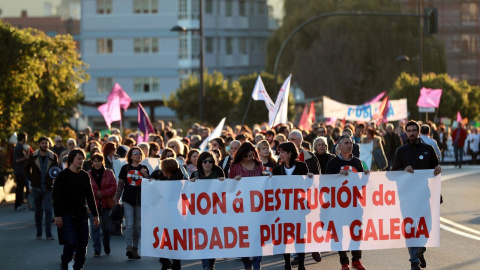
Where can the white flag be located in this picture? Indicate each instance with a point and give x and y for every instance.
(279, 113)
(260, 93)
(215, 133)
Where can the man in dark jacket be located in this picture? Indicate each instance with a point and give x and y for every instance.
(36, 170)
(415, 155)
(392, 142)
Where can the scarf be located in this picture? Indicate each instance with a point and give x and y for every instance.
(98, 175)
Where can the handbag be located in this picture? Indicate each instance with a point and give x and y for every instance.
(116, 214)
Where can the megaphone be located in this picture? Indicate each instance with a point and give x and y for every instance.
(53, 171)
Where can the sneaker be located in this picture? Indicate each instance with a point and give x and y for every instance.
(423, 263)
(50, 237)
(39, 236)
(295, 261)
(414, 266)
(345, 266)
(107, 250)
(19, 208)
(358, 265)
(96, 254)
(316, 256)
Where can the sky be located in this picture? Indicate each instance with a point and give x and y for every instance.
(36, 8)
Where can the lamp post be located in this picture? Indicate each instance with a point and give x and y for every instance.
(201, 90)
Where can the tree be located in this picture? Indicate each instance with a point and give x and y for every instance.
(258, 112)
(220, 101)
(456, 96)
(39, 81)
(349, 58)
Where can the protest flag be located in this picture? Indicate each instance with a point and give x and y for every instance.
(429, 97)
(215, 133)
(144, 124)
(280, 111)
(111, 111)
(260, 93)
(303, 124)
(124, 98)
(377, 98)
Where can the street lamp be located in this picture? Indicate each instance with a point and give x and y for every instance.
(201, 90)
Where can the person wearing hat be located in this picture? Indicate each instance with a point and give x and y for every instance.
(36, 169)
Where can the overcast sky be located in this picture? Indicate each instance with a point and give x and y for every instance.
(36, 8)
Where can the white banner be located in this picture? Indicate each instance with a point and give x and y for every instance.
(331, 108)
(287, 214)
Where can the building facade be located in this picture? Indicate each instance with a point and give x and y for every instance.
(130, 42)
(459, 29)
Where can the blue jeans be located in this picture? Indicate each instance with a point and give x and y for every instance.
(247, 263)
(43, 203)
(104, 216)
(208, 263)
(458, 155)
(415, 253)
(133, 215)
(75, 235)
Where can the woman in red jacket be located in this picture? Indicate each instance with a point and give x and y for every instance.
(104, 186)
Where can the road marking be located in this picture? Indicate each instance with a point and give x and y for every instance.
(454, 224)
(460, 226)
(455, 231)
(456, 175)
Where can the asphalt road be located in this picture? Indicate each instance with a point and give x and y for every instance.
(460, 239)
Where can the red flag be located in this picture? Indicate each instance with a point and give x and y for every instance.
(303, 124)
(311, 114)
(123, 97)
(383, 110)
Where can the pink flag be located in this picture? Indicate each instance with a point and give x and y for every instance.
(124, 98)
(377, 98)
(111, 111)
(429, 97)
(311, 114)
(459, 117)
(303, 124)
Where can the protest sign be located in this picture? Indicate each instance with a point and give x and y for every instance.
(288, 214)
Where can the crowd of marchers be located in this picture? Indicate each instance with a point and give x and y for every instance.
(80, 194)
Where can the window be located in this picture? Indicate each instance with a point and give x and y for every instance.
(469, 43)
(104, 85)
(182, 9)
(261, 8)
(104, 6)
(209, 45)
(145, 6)
(195, 4)
(228, 8)
(104, 45)
(145, 45)
(146, 84)
(228, 46)
(260, 45)
(242, 8)
(469, 12)
(209, 6)
(242, 45)
(183, 46)
(196, 45)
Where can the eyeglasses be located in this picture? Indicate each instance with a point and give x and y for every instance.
(136, 154)
(58, 141)
(207, 161)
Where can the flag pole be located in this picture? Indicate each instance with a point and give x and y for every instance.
(246, 111)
